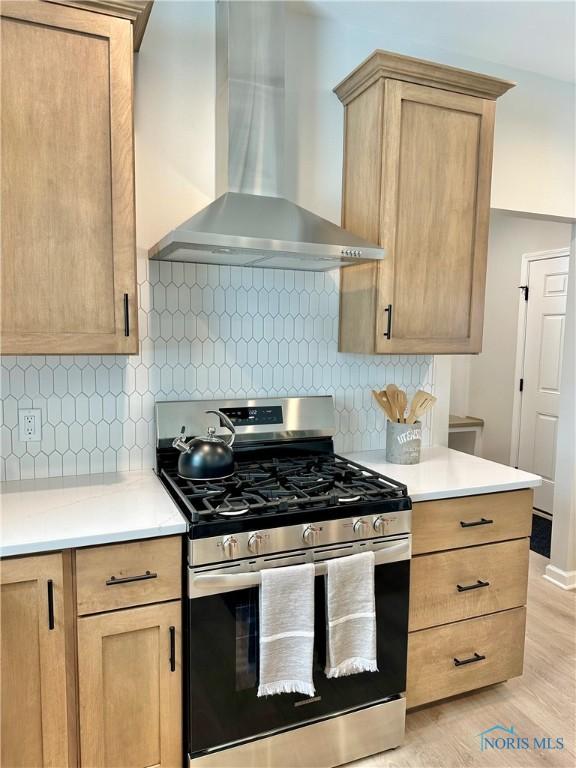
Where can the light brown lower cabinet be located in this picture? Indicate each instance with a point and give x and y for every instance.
(101, 690)
(130, 680)
(468, 586)
(34, 731)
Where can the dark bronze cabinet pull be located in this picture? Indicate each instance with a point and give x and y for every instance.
(478, 585)
(482, 521)
(125, 579)
(471, 660)
(172, 649)
(50, 604)
(388, 331)
(126, 316)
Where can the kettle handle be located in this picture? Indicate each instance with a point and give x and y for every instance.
(225, 422)
(180, 441)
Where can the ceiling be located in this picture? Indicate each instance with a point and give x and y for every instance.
(534, 35)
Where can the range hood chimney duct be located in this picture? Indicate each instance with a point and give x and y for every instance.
(250, 97)
(252, 223)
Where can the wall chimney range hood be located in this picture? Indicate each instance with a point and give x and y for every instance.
(251, 223)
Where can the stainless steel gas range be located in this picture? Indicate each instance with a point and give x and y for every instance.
(290, 500)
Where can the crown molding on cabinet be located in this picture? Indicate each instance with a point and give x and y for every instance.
(384, 64)
(136, 11)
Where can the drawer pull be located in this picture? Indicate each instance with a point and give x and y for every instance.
(482, 521)
(471, 660)
(468, 587)
(125, 579)
(172, 649)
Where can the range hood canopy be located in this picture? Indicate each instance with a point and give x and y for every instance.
(261, 231)
(252, 223)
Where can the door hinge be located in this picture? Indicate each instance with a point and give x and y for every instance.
(521, 385)
(525, 290)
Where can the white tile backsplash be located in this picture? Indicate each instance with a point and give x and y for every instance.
(205, 332)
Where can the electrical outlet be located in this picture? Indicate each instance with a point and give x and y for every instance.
(30, 424)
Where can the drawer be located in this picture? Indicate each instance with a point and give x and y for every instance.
(470, 520)
(122, 575)
(462, 583)
(435, 656)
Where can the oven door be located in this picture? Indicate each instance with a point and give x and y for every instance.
(223, 707)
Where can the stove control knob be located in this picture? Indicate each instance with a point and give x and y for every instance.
(255, 543)
(311, 535)
(361, 526)
(230, 546)
(380, 524)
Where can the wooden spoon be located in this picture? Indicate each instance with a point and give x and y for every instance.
(421, 402)
(382, 400)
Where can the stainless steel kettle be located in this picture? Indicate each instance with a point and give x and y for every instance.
(206, 458)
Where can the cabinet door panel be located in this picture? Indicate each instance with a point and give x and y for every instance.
(34, 730)
(67, 191)
(437, 149)
(130, 698)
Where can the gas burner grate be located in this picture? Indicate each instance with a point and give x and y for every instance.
(280, 485)
(229, 505)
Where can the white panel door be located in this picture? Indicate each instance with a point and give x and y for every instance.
(548, 281)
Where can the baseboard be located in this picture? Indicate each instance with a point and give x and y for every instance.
(562, 579)
(541, 513)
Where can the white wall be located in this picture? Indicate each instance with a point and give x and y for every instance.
(460, 385)
(174, 117)
(534, 155)
(485, 382)
(562, 567)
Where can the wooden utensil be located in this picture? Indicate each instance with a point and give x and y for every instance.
(391, 390)
(401, 404)
(382, 400)
(421, 402)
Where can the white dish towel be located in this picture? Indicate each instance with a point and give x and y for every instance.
(287, 630)
(350, 615)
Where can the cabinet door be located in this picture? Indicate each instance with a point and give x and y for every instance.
(436, 169)
(130, 685)
(34, 729)
(67, 220)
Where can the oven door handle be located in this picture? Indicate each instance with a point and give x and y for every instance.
(200, 585)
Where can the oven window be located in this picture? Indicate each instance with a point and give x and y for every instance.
(247, 642)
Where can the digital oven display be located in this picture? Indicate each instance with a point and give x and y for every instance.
(263, 414)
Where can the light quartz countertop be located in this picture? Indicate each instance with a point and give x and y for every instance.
(444, 474)
(65, 512)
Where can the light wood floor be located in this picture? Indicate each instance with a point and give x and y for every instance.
(540, 703)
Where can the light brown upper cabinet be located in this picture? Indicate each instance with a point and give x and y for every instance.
(417, 168)
(35, 719)
(67, 224)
